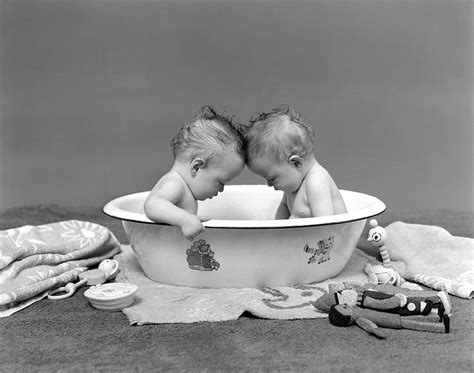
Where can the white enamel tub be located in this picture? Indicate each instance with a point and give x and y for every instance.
(242, 245)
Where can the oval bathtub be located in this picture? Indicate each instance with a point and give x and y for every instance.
(242, 246)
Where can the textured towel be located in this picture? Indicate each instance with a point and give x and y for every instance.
(431, 256)
(157, 303)
(36, 259)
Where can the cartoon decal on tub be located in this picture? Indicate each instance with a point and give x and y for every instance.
(201, 257)
(321, 254)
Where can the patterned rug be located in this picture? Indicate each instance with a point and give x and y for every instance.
(157, 303)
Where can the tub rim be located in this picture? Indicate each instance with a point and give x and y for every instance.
(376, 207)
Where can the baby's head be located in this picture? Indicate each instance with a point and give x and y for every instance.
(212, 149)
(278, 144)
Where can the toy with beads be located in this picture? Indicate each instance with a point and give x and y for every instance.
(377, 237)
(385, 273)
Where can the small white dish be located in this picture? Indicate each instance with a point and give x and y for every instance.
(112, 296)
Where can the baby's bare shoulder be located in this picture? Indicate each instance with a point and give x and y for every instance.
(318, 182)
(317, 175)
(169, 181)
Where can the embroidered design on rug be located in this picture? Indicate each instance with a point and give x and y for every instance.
(321, 254)
(201, 257)
(288, 298)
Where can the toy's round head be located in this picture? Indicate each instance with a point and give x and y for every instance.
(377, 235)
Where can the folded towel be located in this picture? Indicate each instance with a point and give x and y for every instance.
(36, 259)
(157, 303)
(431, 256)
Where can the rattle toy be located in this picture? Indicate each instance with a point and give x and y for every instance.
(377, 237)
(384, 273)
(107, 270)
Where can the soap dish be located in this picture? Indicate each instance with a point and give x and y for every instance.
(112, 296)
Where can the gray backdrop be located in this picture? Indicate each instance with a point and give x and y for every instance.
(92, 91)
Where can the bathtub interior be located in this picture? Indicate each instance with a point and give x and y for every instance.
(250, 205)
(244, 203)
(260, 203)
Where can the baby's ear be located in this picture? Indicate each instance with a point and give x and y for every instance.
(196, 165)
(295, 160)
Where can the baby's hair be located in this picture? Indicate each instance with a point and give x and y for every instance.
(204, 132)
(281, 132)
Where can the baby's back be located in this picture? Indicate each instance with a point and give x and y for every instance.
(338, 201)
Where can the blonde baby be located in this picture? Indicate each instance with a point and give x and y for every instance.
(208, 153)
(280, 149)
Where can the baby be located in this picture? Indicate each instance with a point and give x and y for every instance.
(209, 152)
(280, 149)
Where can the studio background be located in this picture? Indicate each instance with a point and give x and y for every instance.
(93, 91)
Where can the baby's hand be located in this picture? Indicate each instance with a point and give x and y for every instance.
(193, 226)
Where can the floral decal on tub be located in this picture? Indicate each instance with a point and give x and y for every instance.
(320, 254)
(201, 257)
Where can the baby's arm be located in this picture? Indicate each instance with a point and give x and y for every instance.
(160, 206)
(319, 194)
(282, 211)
